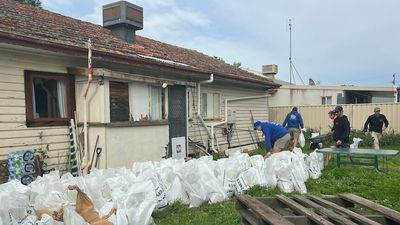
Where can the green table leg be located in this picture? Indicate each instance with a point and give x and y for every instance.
(338, 160)
(376, 163)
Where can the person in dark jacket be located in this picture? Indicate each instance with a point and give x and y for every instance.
(294, 122)
(274, 133)
(377, 123)
(341, 129)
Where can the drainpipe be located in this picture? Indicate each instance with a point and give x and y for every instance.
(199, 102)
(199, 92)
(226, 114)
(86, 160)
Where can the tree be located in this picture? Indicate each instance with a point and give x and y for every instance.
(237, 64)
(35, 3)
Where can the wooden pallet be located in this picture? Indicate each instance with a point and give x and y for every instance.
(346, 209)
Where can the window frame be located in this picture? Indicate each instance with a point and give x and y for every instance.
(325, 99)
(117, 82)
(70, 95)
(218, 117)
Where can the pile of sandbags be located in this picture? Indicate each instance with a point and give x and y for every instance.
(129, 196)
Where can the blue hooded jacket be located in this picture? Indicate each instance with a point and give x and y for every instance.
(272, 132)
(293, 120)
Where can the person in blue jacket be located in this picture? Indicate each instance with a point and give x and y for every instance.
(274, 133)
(294, 122)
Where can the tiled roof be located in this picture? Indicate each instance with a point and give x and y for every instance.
(45, 28)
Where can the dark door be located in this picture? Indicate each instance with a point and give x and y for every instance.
(177, 121)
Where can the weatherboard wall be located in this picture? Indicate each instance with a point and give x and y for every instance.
(14, 134)
(241, 136)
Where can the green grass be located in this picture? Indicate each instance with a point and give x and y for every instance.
(363, 181)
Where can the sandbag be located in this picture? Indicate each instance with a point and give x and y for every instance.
(302, 139)
(283, 167)
(248, 179)
(269, 172)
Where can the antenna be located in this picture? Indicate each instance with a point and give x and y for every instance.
(290, 26)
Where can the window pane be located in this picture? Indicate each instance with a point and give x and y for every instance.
(49, 98)
(323, 100)
(204, 105)
(119, 101)
(210, 105)
(329, 100)
(140, 102)
(216, 110)
(156, 103)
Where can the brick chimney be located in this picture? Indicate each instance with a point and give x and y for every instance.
(123, 19)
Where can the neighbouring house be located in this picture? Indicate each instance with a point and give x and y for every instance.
(312, 94)
(147, 98)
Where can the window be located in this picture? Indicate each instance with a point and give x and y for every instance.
(119, 101)
(210, 105)
(326, 100)
(49, 98)
(147, 102)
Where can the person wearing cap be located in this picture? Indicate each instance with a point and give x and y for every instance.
(293, 122)
(377, 123)
(332, 116)
(341, 129)
(274, 133)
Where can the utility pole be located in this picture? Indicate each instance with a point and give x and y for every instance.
(290, 24)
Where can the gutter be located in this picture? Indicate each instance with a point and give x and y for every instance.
(226, 114)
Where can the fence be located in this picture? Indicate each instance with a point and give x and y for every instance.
(316, 117)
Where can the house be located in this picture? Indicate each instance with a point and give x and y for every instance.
(145, 100)
(293, 94)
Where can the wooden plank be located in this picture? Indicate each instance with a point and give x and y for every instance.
(263, 211)
(338, 201)
(32, 133)
(11, 87)
(13, 118)
(12, 102)
(7, 110)
(33, 141)
(343, 210)
(12, 94)
(389, 213)
(11, 79)
(323, 211)
(296, 207)
(278, 206)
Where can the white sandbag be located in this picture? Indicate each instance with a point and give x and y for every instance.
(257, 161)
(71, 217)
(282, 164)
(226, 173)
(314, 165)
(248, 179)
(53, 201)
(356, 142)
(302, 139)
(140, 203)
(201, 184)
(243, 160)
(93, 187)
(21, 216)
(313, 135)
(298, 160)
(14, 196)
(173, 185)
(269, 173)
(106, 209)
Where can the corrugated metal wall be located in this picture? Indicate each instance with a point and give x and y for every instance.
(316, 117)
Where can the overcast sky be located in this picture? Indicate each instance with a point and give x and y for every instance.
(334, 41)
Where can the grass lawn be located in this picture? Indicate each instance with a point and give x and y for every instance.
(363, 181)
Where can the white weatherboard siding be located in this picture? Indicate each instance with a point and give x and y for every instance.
(258, 106)
(14, 134)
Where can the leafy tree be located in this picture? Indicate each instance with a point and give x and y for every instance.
(219, 58)
(35, 3)
(237, 64)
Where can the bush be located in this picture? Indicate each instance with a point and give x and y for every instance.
(388, 139)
